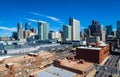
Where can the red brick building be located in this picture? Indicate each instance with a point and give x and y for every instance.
(81, 67)
(93, 54)
(23, 66)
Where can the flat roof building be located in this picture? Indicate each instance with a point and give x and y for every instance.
(53, 72)
(23, 66)
(93, 54)
(80, 67)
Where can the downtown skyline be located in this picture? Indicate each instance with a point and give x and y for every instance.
(56, 12)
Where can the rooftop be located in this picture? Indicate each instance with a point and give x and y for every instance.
(92, 48)
(4, 57)
(25, 57)
(44, 54)
(55, 72)
(2, 67)
(16, 59)
(103, 44)
(76, 65)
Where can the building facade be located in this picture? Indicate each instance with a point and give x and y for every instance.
(97, 30)
(26, 33)
(93, 54)
(27, 26)
(20, 31)
(87, 32)
(93, 39)
(75, 29)
(23, 66)
(55, 35)
(43, 30)
(81, 67)
(66, 33)
(109, 30)
(33, 30)
(15, 35)
(118, 29)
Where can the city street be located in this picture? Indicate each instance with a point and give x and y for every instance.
(109, 68)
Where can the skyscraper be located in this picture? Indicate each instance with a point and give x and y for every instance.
(15, 35)
(33, 30)
(75, 29)
(66, 33)
(27, 26)
(95, 27)
(87, 32)
(109, 30)
(26, 34)
(97, 30)
(20, 31)
(43, 30)
(118, 29)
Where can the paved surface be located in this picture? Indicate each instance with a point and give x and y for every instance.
(109, 69)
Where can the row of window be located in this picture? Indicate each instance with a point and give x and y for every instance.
(3, 73)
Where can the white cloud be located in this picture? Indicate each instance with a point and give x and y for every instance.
(33, 20)
(49, 17)
(9, 29)
(34, 13)
(53, 18)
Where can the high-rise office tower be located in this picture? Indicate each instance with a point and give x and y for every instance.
(33, 30)
(43, 30)
(97, 30)
(75, 29)
(103, 32)
(87, 32)
(118, 29)
(26, 34)
(66, 33)
(27, 26)
(109, 30)
(20, 31)
(95, 27)
(15, 35)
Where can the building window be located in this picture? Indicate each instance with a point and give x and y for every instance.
(11, 73)
(5, 72)
(0, 74)
(10, 68)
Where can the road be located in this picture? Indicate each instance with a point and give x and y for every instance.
(109, 68)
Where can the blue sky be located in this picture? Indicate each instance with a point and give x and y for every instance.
(56, 12)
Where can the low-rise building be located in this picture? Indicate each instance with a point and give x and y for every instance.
(80, 67)
(22, 66)
(93, 54)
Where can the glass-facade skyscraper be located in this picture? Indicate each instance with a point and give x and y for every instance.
(27, 26)
(66, 33)
(20, 31)
(97, 30)
(43, 30)
(109, 30)
(118, 29)
(75, 29)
